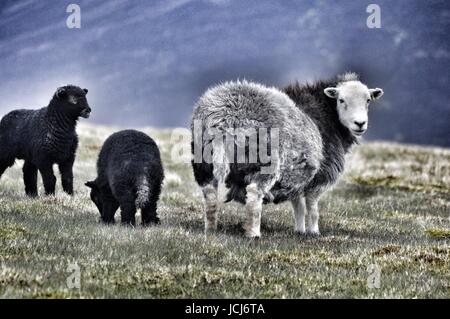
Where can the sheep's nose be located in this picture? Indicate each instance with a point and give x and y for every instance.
(360, 124)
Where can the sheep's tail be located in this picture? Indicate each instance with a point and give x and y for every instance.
(142, 192)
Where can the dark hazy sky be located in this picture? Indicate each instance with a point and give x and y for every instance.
(146, 62)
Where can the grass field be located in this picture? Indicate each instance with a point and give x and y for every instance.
(390, 211)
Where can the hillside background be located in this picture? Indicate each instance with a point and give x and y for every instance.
(146, 62)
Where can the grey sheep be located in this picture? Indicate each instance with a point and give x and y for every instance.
(44, 137)
(130, 176)
(315, 126)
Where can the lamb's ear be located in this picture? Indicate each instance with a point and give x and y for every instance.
(85, 91)
(61, 93)
(331, 92)
(91, 184)
(375, 94)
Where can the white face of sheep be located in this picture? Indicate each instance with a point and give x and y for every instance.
(353, 99)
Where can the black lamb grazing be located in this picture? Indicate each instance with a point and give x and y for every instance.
(130, 175)
(44, 137)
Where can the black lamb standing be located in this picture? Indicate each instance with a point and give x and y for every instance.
(44, 137)
(130, 176)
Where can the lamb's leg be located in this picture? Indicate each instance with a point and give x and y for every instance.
(109, 210)
(210, 197)
(128, 212)
(127, 208)
(2, 169)
(48, 178)
(109, 205)
(299, 206)
(30, 178)
(253, 207)
(149, 211)
(149, 215)
(5, 163)
(65, 169)
(312, 206)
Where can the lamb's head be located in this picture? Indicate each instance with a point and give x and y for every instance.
(352, 102)
(95, 195)
(73, 100)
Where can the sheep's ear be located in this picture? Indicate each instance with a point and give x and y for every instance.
(61, 93)
(375, 94)
(91, 184)
(331, 92)
(85, 91)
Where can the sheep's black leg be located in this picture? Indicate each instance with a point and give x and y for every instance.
(126, 199)
(48, 178)
(65, 168)
(109, 210)
(2, 169)
(128, 212)
(30, 178)
(149, 215)
(4, 164)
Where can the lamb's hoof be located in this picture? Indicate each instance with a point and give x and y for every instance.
(254, 238)
(32, 195)
(210, 230)
(300, 232)
(211, 226)
(106, 221)
(152, 222)
(315, 233)
(252, 235)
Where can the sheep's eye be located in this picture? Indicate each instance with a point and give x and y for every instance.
(341, 101)
(73, 99)
(368, 101)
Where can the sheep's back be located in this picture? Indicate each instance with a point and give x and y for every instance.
(242, 105)
(20, 130)
(128, 156)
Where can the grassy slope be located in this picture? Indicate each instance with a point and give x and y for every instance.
(391, 208)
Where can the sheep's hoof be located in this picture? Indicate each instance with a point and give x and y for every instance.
(313, 233)
(32, 195)
(210, 230)
(152, 222)
(107, 222)
(253, 235)
(300, 232)
(211, 225)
